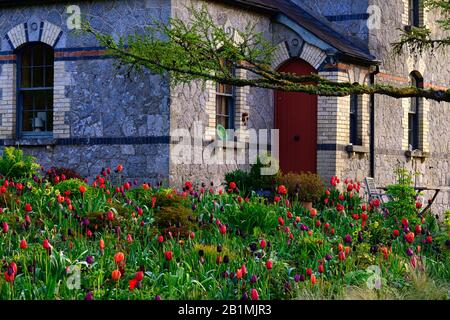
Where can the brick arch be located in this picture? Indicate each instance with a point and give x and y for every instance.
(309, 53)
(32, 31)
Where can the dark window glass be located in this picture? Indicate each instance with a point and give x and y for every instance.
(354, 105)
(35, 90)
(414, 12)
(413, 114)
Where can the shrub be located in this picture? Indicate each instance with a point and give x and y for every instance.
(253, 180)
(14, 164)
(71, 185)
(54, 172)
(241, 178)
(403, 195)
(306, 186)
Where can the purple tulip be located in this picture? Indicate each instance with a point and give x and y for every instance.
(348, 239)
(90, 259)
(410, 252)
(253, 279)
(89, 296)
(328, 257)
(158, 297)
(297, 278)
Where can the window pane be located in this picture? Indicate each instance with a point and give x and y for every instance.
(27, 100)
(223, 121)
(27, 117)
(48, 77)
(38, 76)
(25, 78)
(222, 105)
(39, 55)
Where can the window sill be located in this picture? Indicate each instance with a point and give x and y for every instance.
(25, 141)
(355, 149)
(417, 154)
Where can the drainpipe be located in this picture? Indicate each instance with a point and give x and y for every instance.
(372, 124)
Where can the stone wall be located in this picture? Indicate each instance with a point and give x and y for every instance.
(102, 117)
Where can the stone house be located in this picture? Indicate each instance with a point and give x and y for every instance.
(63, 100)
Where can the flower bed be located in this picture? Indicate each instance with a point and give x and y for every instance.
(66, 239)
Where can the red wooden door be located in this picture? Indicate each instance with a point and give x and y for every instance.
(296, 118)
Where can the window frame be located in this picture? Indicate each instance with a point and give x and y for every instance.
(20, 133)
(414, 113)
(231, 101)
(414, 13)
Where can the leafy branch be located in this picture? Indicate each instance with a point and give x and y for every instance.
(197, 48)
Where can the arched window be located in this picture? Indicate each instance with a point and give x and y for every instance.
(225, 95)
(35, 90)
(414, 111)
(414, 13)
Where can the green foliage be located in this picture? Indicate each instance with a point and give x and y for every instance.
(255, 179)
(14, 164)
(71, 185)
(306, 186)
(403, 194)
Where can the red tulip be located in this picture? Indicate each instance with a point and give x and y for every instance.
(110, 216)
(262, 243)
(321, 268)
(46, 244)
(129, 238)
(341, 255)
(309, 271)
(119, 168)
(126, 186)
(313, 279)
(116, 275)
(429, 239)
(132, 284)
(9, 277)
(269, 264)
(168, 255)
(312, 212)
(5, 227)
(327, 226)
(160, 239)
(223, 229)
(232, 185)
(289, 215)
(277, 199)
(23, 244)
(396, 233)
(82, 189)
(318, 223)
(281, 221)
(418, 229)
(139, 276)
(405, 222)
(188, 185)
(282, 190)
(28, 207)
(254, 294)
(119, 257)
(410, 237)
(191, 235)
(418, 205)
(102, 244)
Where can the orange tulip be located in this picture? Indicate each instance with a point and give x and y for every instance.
(119, 257)
(116, 275)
